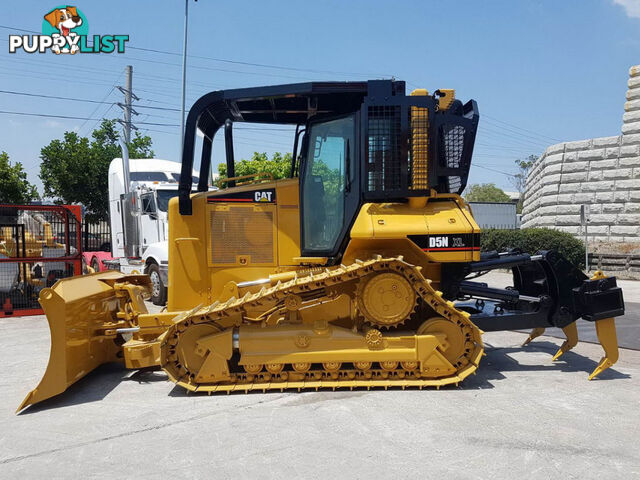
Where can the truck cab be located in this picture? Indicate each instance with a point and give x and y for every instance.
(138, 220)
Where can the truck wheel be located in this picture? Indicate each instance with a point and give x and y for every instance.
(95, 264)
(158, 290)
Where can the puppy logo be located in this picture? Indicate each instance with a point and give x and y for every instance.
(65, 20)
(65, 30)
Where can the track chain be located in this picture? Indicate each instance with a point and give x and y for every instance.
(318, 286)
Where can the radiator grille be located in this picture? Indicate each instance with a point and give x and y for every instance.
(241, 231)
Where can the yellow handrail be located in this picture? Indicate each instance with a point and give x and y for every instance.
(244, 177)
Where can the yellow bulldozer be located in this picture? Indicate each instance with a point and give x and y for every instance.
(355, 272)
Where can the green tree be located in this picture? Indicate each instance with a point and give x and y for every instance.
(279, 165)
(519, 180)
(14, 186)
(75, 169)
(486, 192)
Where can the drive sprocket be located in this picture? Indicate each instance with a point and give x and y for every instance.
(385, 299)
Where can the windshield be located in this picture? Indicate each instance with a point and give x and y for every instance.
(330, 146)
(148, 176)
(176, 176)
(163, 197)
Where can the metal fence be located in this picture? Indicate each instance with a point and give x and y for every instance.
(39, 244)
(612, 262)
(495, 215)
(96, 237)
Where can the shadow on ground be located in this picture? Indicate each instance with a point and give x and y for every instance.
(498, 360)
(97, 385)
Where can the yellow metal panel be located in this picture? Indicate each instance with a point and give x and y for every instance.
(397, 220)
(79, 310)
(288, 198)
(447, 96)
(188, 258)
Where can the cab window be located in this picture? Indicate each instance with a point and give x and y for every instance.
(148, 204)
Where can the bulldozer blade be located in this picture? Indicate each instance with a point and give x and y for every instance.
(535, 333)
(606, 330)
(78, 311)
(571, 332)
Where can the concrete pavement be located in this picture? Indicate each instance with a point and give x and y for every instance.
(520, 417)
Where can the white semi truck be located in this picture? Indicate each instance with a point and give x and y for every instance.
(138, 218)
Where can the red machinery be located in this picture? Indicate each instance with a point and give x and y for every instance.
(39, 244)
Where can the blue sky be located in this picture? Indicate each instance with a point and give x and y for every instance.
(541, 71)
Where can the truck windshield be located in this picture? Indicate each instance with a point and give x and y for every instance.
(163, 197)
(148, 176)
(176, 176)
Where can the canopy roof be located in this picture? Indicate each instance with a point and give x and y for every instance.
(280, 104)
(291, 104)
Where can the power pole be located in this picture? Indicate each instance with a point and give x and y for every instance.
(184, 75)
(127, 109)
(127, 102)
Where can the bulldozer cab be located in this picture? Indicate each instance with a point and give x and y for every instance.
(355, 142)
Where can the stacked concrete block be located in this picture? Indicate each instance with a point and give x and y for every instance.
(602, 173)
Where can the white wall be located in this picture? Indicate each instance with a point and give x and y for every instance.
(603, 173)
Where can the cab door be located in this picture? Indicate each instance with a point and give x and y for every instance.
(329, 185)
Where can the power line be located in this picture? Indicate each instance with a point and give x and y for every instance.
(523, 135)
(67, 117)
(519, 138)
(96, 109)
(50, 78)
(54, 97)
(235, 62)
(261, 65)
(492, 169)
(257, 129)
(511, 138)
(497, 146)
(520, 128)
(137, 105)
(159, 131)
(113, 86)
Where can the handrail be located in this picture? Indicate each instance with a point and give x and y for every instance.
(244, 177)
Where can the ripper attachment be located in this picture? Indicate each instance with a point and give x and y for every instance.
(548, 291)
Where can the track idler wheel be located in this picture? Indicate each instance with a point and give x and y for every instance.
(189, 355)
(456, 337)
